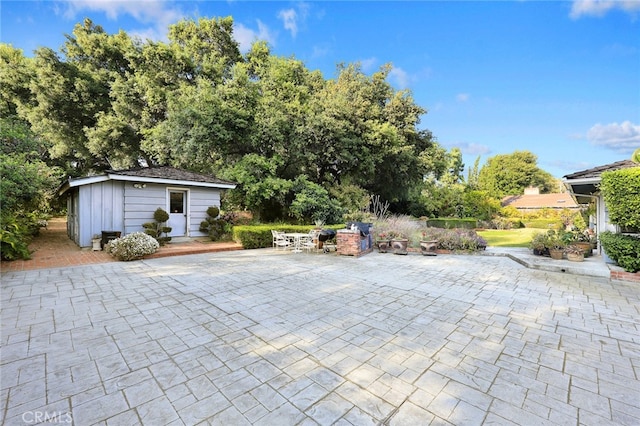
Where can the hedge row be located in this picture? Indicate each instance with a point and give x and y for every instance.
(623, 249)
(450, 222)
(259, 236)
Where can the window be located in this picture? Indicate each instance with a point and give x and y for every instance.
(176, 202)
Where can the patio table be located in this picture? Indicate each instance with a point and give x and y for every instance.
(296, 238)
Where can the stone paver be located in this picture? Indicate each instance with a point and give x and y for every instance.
(271, 338)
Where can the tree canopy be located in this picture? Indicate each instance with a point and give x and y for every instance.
(112, 101)
(510, 174)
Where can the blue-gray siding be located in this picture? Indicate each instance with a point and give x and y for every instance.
(119, 206)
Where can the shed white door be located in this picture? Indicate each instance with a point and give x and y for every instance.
(178, 213)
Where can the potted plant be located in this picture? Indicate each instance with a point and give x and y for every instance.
(555, 244)
(579, 239)
(575, 253)
(399, 243)
(428, 246)
(382, 242)
(538, 244)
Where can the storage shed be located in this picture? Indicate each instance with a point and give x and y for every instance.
(122, 200)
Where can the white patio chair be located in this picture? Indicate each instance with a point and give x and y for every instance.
(309, 242)
(279, 240)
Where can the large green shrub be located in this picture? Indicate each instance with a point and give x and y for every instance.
(14, 241)
(623, 249)
(621, 191)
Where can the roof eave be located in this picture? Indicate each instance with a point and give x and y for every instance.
(222, 185)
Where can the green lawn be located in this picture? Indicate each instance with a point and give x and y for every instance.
(509, 237)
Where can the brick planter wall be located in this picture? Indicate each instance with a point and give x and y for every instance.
(622, 275)
(350, 243)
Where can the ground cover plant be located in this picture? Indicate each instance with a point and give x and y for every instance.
(132, 246)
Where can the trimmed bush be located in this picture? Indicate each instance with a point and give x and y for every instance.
(623, 249)
(133, 246)
(452, 222)
(158, 227)
(621, 191)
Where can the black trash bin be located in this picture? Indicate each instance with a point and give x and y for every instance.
(108, 236)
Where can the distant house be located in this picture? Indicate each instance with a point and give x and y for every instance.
(532, 201)
(583, 186)
(122, 200)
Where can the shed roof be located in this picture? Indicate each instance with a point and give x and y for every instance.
(541, 201)
(160, 174)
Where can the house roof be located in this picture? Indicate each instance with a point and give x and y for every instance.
(595, 172)
(541, 201)
(584, 184)
(161, 175)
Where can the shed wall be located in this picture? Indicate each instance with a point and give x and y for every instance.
(140, 203)
(200, 200)
(100, 208)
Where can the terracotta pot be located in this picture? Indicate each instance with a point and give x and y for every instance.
(585, 246)
(428, 248)
(556, 253)
(399, 246)
(383, 246)
(575, 257)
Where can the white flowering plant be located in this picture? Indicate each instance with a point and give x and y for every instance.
(133, 246)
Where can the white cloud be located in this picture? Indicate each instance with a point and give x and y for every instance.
(600, 8)
(368, 64)
(246, 36)
(155, 13)
(292, 19)
(400, 76)
(623, 137)
(470, 148)
(462, 97)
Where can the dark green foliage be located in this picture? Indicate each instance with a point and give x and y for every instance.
(510, 174)
(27, 186)
(14, 240)
(623, 249)
(216, 226)
(158, 228)
(312, 203)
(160, 215)
(621, 191)
(448, 223)
(479, 205)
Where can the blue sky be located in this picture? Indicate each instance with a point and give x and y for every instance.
(558, 78)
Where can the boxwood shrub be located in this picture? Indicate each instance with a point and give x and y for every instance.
(259, 236)
(623, 249)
